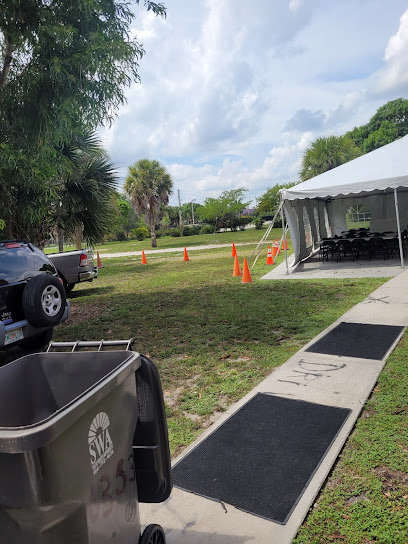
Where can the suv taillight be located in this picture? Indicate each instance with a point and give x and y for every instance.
(83, 259)
(13, 245)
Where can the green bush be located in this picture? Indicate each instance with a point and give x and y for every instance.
(207, 229)
(163, 231)
(121, 236)
(191, 230)
(259, 221)
(176, 232)
(140, 233)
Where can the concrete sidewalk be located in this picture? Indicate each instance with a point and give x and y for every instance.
(312, 268)
(335, 381)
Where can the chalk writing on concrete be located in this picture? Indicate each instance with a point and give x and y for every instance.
(373, 299)
(308, 371)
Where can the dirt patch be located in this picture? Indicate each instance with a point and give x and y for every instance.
(79, 313)
(366, 413)
(193, 417)
(240, 360)
(391, 479)
(212, 419)
(171, 396)
(356, 498)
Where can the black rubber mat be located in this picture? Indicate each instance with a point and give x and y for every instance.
(358, 340)
(262, 458)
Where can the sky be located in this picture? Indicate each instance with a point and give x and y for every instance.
(232, 92)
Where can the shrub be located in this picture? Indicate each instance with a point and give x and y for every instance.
(140, 233)
(191, 230)
(176, 232)
(259, 221)
(207, 229)
(111, 237)
(121, 236)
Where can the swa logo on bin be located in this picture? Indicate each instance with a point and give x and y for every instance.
(99, 441)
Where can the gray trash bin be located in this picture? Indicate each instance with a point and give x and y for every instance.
(67, 426)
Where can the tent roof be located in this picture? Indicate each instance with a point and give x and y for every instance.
(381, 169)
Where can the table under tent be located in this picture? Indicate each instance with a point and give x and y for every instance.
(316, 209)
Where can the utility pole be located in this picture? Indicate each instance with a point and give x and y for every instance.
(192, 209)
(180, 220)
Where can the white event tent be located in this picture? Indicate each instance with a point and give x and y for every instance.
(317, 208)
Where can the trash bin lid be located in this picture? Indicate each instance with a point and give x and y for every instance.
(43, 394)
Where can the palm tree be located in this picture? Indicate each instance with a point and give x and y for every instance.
(149, 186)
(326, 153)
(85, 207)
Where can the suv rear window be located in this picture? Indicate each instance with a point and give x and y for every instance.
(20, 261)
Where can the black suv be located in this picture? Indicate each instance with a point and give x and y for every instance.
(32, 297)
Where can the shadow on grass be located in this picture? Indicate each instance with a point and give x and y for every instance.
(90, 291)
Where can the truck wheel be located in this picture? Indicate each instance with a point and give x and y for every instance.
(38, 341)
(44, 300)
(153, 534)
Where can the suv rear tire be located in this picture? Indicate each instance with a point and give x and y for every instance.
(44, 301)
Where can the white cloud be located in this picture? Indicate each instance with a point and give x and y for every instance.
(295, 5)
(232, 91)
(394, 76)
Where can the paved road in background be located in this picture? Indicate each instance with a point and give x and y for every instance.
(169, 250)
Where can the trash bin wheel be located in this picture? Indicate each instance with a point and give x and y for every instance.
(153, 534)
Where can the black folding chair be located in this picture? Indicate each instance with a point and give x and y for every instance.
(344, 250)
(360, 248)
(377, 248)
(327, 248)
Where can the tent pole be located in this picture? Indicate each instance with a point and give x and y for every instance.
(284, 236)
(399, 228)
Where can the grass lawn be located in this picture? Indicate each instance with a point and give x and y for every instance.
(214, 338)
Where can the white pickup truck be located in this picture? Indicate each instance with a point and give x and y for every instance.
(74, 266)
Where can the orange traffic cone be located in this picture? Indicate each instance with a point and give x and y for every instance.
(237, 270)
(269, 258)
(234, 251)
(246, 275)
(185, 255)
(144, 260)
(277, 246)
(274, 250)
(98, 260)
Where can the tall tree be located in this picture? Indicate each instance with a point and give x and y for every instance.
(389, 123)
(149, 186)
(85, 207)
(326, 153)
(63, 69)
(269, 201)
(225, 210)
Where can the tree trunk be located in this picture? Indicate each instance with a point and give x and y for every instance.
(60, 239)
(8, 57)
(153, 235)
(78, 238)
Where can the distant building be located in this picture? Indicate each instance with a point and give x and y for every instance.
(248, 211)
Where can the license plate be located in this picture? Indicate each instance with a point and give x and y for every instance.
(13, 336)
